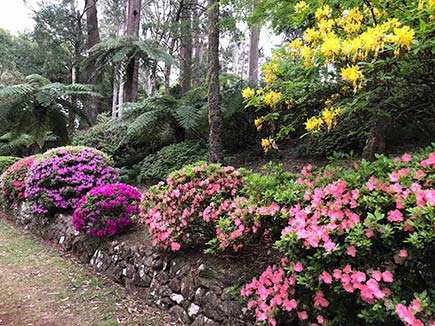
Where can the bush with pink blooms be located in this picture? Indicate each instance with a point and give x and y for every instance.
(358, 247)
(106, 209)
(13, 180)
(185, 209)
(63, 175)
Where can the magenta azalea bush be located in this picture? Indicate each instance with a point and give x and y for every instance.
(185, 209)
(13, 180)
(63, 175)
(106, 209)
(357, 248)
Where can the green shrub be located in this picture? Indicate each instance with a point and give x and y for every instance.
(171, 158)
(110, 138)
(7, 161)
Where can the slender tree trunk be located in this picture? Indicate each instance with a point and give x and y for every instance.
(254, 39)
(115, 93)
(198, 47)
(168, 69)
(132, 71)
(235, 58)
(186, 48)
(93, 39)
(214, 110)
(75, 69)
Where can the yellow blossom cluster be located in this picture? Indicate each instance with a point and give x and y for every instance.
(269, 71)
(352, 37)
(272, 98)
(301, 6)
(354, 75)
(266, 143)
(313, 124)
(248, 93)
(329, 116)
(258, 124)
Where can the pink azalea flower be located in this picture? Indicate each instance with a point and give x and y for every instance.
(298, 267)
(302, 315)
(351, 251)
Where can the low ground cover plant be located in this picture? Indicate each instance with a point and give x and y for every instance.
(357, 248)
(157, 166)
(63, 175)
(106, 209)
(13, 180)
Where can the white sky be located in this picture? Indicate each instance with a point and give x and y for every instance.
(15, 16)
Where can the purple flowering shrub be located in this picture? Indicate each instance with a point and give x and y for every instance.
(106, 209)
(63, 175)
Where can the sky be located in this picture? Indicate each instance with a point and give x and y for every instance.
(15, 16)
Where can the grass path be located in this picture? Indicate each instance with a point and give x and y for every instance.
(39, 287)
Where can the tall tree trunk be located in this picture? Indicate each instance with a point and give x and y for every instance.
(186, 48)
(214, 110)
(93, 39)
(254, 39)
(132, 71)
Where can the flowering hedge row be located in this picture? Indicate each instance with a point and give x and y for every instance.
(357, 243)
(63, 175)
(358, 247)
(106, 209)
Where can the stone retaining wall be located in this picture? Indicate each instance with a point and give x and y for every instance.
(196, 288)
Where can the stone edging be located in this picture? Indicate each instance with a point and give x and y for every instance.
(196, 290)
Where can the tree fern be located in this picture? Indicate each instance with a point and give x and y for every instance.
(39, 108)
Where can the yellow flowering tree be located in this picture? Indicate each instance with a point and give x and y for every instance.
(371, 56)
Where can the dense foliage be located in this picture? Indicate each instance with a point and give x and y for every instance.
(106, 209)
(63, 175)
(158, 166)
(7, 161)
(13, 180)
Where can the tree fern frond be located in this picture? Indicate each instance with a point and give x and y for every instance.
(188, 117)
(37, 80)
(17, 91)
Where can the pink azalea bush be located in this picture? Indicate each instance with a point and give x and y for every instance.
(13, 180)
(106, 209)
(63, 175)
(185, 209)
(357, 248)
